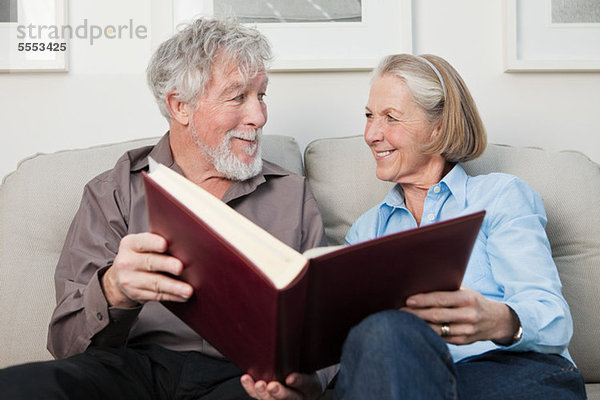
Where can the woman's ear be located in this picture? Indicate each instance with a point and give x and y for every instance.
(180, 111)
(436, 130)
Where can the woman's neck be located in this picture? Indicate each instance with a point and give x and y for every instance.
(416, 192)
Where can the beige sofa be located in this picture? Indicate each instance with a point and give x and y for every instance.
(38, 200)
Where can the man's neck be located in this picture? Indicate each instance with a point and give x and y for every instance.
(215, 184)
(197, 167)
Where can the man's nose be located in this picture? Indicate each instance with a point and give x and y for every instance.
(256, 113)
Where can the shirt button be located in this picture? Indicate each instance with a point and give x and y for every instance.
(436, 189)
(99, 316)
(431, 217)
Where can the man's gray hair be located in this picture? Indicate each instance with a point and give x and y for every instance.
(183, 63)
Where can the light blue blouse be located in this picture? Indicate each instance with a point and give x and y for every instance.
(511, 260)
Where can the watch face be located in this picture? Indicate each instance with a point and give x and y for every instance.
(518, 335)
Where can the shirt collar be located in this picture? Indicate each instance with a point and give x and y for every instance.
(162, 154)
(395, 197)
(455, 181)
(242, 188)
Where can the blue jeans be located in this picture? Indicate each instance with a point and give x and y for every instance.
(395, 355)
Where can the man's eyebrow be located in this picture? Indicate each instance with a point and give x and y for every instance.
(240, 86)
(234, 87)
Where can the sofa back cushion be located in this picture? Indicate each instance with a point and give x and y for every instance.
(341, 172)
(37, 204)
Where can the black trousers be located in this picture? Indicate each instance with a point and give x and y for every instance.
(139, 372)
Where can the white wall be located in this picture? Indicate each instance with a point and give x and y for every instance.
(104, 96)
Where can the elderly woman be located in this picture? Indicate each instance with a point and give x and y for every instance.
(505, 333)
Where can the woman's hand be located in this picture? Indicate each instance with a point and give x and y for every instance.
(297, 387)
(467, 316)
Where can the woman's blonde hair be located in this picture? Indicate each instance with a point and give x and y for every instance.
(440, 91)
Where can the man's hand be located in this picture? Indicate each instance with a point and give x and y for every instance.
(297, 386)
(468, 315)
(136, 275)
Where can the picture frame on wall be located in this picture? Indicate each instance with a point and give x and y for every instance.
(552, 35)
(316, 35)
(31, 36)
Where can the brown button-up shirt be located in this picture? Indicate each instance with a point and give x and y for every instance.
(113, 206)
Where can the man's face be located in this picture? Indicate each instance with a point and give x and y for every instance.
(228, 119)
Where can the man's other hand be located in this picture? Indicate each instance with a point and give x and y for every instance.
(297, 386)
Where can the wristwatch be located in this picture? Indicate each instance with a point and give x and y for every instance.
(517, 336)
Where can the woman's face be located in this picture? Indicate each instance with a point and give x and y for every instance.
(396, 131)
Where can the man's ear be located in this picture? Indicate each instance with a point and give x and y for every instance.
(181, 112)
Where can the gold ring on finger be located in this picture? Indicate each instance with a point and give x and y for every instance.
(445, 329)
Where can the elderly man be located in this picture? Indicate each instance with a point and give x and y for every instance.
(111, 336)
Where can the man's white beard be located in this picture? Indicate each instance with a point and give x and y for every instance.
(226, 162)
